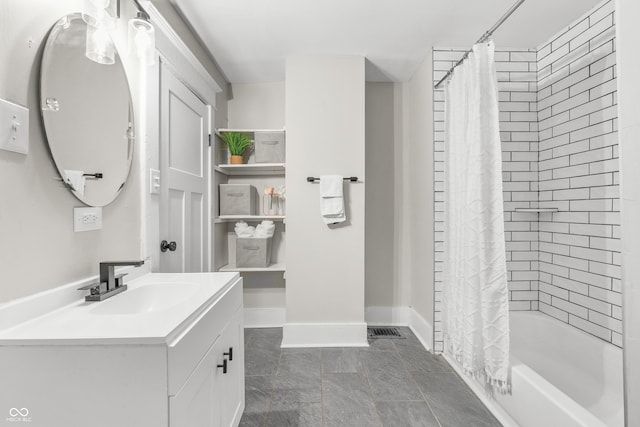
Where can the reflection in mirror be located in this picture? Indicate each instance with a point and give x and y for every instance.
(87, 115)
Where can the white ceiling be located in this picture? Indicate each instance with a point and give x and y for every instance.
(250, 39)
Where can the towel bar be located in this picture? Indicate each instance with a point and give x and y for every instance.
(349, 178)
(97, 175)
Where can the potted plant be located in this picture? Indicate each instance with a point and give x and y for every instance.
(237, 143)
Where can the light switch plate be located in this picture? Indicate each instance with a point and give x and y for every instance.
(14, 127)
(87, 219)
(154, 181)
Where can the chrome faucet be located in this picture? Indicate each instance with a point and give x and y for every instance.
(110, 284)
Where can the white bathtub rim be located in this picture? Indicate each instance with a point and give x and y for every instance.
(578, 414)
(570, 407)
(605, 402)
(535, 386)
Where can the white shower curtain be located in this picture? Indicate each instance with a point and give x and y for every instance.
(475, 300)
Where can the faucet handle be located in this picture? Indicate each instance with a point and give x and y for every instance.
(95, 288)
(119, 279)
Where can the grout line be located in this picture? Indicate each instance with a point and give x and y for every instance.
(322, 420)
(273, 389)
(429, 405)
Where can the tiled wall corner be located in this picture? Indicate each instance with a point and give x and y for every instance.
(517, 85)
(580, 245)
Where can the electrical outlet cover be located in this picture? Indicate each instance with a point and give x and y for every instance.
(87, 219)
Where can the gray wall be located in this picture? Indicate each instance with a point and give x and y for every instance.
(417, 191)
(41, 250)
(379, 197)
(261, 105)
(325, 120)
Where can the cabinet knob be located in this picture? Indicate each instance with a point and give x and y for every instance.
(223, 366)
(230, 353)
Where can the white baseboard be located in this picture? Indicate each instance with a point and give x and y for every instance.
(422, 329)
(374, 316)
(337, 334)
(402, 316)
(264, 317)
(296, 335)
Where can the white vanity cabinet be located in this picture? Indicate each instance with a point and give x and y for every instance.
(213, 395)
(81, 367)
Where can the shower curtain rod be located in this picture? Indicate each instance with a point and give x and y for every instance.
(482, 39)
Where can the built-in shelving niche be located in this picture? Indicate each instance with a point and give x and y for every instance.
(258, 175)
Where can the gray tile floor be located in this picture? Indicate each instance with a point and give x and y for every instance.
(392, 383)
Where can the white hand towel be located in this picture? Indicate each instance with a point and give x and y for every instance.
(242, 229)
(76, 180)
(246, 232)
(332, 199)
(265, 229)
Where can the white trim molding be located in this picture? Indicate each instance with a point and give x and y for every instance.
(296, 335)
(270, 317)
(422, 329)
(184, 62)
(402, 316)
(338, 334)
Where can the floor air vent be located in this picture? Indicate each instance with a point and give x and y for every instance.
(381, 332)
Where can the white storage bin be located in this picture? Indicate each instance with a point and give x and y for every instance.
(238, 199)
(253, 252)
(269, 147)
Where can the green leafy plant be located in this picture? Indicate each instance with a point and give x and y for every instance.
(237, 142)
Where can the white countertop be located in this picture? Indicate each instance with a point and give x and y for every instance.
(141, 314)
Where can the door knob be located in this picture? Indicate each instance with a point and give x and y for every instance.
(164, 245)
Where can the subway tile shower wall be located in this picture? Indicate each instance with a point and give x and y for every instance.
(558, 122)
(579, 247)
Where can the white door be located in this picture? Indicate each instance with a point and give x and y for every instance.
(184, 139)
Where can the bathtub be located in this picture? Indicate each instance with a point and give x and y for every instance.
(560, 376)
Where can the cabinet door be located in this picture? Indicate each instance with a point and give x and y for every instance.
(198, 403)
(233, 337)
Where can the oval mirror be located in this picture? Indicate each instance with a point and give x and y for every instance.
(87, 114)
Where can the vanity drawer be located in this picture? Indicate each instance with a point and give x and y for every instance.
(186, 351)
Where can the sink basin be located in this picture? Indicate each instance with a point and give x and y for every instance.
(151, 311)
(148, 298)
